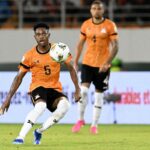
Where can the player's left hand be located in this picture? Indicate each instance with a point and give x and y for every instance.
(104, 67)
(77, 95)
(4, 107)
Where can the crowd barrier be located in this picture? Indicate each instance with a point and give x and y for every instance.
(133, 107)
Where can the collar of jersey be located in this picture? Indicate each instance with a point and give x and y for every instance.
(44, 52)
(98, 23)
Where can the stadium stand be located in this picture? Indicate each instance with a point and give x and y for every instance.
(23, 13)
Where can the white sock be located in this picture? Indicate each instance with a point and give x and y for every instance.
(62, 108)
(31, 119)
(97, 108)
(83, 102)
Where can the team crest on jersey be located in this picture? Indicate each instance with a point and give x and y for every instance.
(103, 30)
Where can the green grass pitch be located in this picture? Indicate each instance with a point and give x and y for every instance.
(59, 137)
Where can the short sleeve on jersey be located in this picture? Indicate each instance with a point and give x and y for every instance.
(83, 30)
(113, 33)
(25, 63)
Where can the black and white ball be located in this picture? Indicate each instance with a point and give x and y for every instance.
(59, 52)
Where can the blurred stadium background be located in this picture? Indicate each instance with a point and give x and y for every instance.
(64, 18)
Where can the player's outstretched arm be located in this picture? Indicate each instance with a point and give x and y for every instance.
(74, 78)
(15, 84)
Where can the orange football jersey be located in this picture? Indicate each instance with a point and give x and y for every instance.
(98, 37)
(45, 71)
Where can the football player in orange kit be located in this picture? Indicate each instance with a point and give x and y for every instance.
(101, 37)
(45, 88)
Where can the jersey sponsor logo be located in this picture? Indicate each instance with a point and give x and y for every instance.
(36, 61)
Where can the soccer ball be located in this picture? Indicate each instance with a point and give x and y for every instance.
(59, 52)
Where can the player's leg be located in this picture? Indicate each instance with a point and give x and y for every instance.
(81, 107)
(86, 77)
(30, 120)
(58, 104)
(59, 113)
(97, 108)
(101, 84)
(83, 102)
(38, 96)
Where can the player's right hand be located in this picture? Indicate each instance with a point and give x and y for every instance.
(4, 107)
(104, 67)
(77, 95)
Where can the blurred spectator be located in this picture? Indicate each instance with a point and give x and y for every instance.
(84, 10)
(89, 2)
(71, 12)
(124, 11)
(31, 9)
(5, 11)
(10, 13)
(141, 10)
(51, 12)
(133, 12)
(86, 2)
